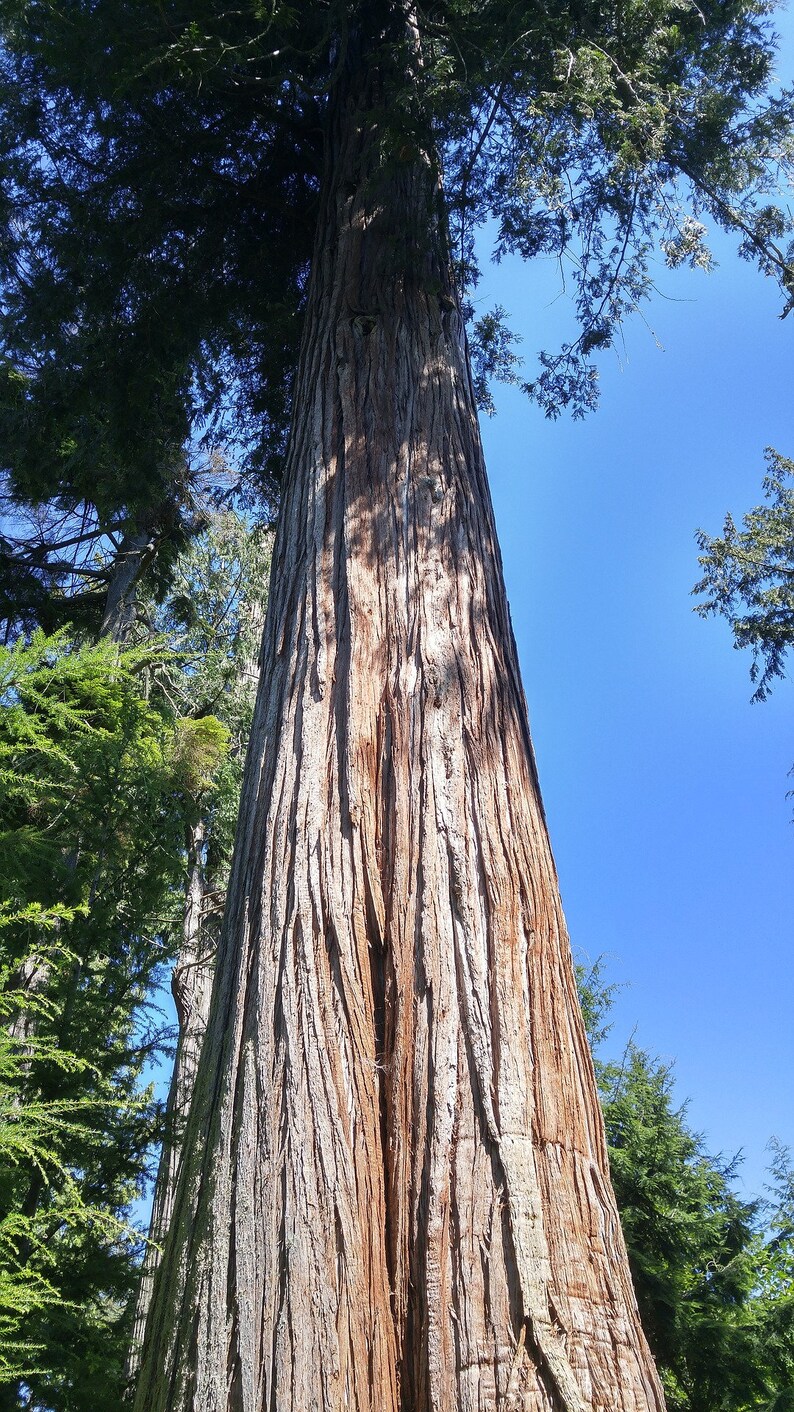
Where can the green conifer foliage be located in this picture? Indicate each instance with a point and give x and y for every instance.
(713, 1272)
(93, 800)
(159, 187)
(748, 576)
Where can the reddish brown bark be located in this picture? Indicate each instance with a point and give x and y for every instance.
(395, 1190)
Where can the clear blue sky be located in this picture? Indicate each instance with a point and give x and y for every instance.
(664, 786)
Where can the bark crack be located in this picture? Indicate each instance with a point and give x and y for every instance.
(526, 1227)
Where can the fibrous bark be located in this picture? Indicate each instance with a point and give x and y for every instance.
(395, 1191)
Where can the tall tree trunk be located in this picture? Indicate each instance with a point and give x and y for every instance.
(395, 1190)
(135, 552)
(191, 985)
(30, 979)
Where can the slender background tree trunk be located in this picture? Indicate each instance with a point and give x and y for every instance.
(395, 1190)
(191, 985)
(192, 976)
(135, 551)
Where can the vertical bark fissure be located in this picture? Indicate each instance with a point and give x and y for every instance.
(395, 1101)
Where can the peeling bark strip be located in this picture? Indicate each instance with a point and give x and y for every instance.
(394, 1193)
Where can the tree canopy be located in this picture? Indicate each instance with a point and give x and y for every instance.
(108, 762)
(91, 810)
(713, 1271)
(159, 187)
(748, 576)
